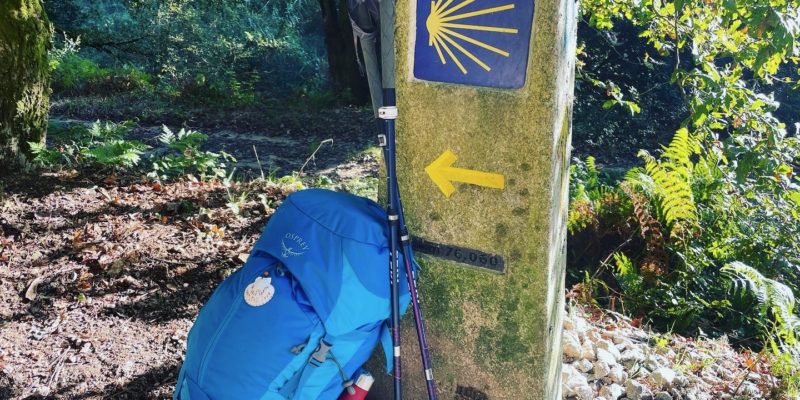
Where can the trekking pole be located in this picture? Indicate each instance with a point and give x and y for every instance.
(422, 339)
(388, 113)
(399, 235)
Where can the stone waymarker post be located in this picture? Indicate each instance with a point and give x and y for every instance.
(484, 97)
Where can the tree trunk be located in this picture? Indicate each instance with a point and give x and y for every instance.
(341, 53)
(24, 76)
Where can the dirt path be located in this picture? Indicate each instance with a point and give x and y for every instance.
(100, 279)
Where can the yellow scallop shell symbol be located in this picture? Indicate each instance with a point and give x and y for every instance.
(445, 34)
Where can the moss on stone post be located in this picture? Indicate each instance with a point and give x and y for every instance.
(24, 76)
(497, 335)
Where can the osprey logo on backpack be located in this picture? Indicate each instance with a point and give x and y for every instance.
(296, 241)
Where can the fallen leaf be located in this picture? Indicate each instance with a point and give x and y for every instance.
(243, 257)
(217, 231)
(85, 281)
(116, 267)
(77, 238)
(131, 281)
(105, 194)
(110, 180)
(30, 294)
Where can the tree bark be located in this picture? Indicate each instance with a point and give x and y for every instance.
(341, 52)
(24, 76)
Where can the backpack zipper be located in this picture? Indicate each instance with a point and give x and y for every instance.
(231, 311)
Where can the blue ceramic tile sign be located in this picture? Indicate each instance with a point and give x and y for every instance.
(473, 42)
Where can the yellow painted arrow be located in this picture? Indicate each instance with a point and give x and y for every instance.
(444, 174)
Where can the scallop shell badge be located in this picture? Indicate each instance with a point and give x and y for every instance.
(259, 292)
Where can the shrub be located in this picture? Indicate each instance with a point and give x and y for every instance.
(183, 156)
(74, 74)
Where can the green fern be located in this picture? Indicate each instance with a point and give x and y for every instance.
(669, 178)
(107, 131)
(626, 273)
(592, 174)
(183, 141)
(116, 152)
(46, 157)
(777, 309)
(185, 157)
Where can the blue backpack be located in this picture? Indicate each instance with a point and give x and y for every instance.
(305, 311)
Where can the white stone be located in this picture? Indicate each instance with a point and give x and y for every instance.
(663, 377)
(581, 326)
(572, 381)
(723, 372)
(569, 324)
(587, 351)
(605, 356)
(617, 374)
(567, 371)
(750, 390)
(608, 346)
(583, 365)
(623, 344)
(681, 381)
(619, 338)
(612, 391)
(601, 369)
(632, 353)
(584, 393)
(570, 345)
(637, 391)
(662, 396)
(654, 362)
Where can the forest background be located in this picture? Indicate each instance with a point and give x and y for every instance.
(685, 202)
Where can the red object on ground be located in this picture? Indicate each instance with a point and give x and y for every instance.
(362, 386)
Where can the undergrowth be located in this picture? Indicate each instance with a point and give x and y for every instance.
(704, 237)
(101, 144)
(105, 148)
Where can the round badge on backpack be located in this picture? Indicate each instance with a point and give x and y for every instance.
(259, 292)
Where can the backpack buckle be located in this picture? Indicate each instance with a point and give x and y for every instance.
(320, 354)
